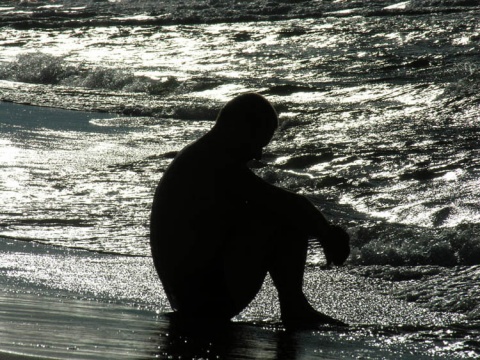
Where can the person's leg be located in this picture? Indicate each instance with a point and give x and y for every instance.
(224, 289)
(246, 263)
(287, 267)
(203, 294)
(287, 270)
(230, 281)
(263, 245)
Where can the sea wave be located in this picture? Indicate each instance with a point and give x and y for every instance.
(41, 68)
(379, 115)
(393, 244)
(463, 92)
(438, 288)
(86, 13)
(80, 13)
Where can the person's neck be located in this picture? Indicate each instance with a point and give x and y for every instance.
(224, 145)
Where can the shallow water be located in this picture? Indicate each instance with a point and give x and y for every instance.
(380, 126)
(379, 106)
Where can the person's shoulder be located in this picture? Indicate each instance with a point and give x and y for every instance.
(196, 148)
(189, 153)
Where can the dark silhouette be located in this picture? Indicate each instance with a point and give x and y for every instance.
(217, 228)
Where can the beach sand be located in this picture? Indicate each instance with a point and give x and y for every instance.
(74, 304)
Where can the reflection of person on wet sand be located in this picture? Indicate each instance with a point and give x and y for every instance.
(217, 228)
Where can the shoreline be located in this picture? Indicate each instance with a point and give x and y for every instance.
(36, 324)
(70, 304)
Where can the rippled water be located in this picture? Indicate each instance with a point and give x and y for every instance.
(84, 181)
(378, 102)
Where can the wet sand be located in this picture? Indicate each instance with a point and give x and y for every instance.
(18, 356)
(54, 326)
(73, 304)
(13, 356)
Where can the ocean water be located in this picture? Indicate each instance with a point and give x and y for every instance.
(380, 116)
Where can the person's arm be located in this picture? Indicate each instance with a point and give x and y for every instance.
(299, 210)
(287, 205)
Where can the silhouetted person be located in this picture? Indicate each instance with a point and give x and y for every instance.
(217, 228)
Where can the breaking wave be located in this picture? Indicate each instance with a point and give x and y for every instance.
(41, 68)
(388, 244)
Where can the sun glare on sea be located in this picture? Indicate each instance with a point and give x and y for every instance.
(8, 153)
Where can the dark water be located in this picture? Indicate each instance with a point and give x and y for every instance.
(379, 104)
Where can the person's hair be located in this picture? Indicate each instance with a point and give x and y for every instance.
(251, 108)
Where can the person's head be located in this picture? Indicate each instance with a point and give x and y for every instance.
(247, 124)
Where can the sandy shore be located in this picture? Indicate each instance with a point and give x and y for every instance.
(73, 304)
(48, 325)
(65, 304)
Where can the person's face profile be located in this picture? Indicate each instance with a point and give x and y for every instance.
(260, 138)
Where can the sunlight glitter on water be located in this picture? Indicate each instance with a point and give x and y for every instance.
(380, 130)
(8, 153)
(223, 93)
(370, 124)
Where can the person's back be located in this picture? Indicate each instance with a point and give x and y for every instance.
(198, 206)
(217, 229)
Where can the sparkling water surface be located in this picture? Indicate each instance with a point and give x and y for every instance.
(379, 111)
(378, 107)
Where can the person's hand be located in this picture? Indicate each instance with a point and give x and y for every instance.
(336, 245)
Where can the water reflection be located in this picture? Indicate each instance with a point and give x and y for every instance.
(204, 339)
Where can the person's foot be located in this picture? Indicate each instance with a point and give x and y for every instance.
(310, 322)
(306, 317)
